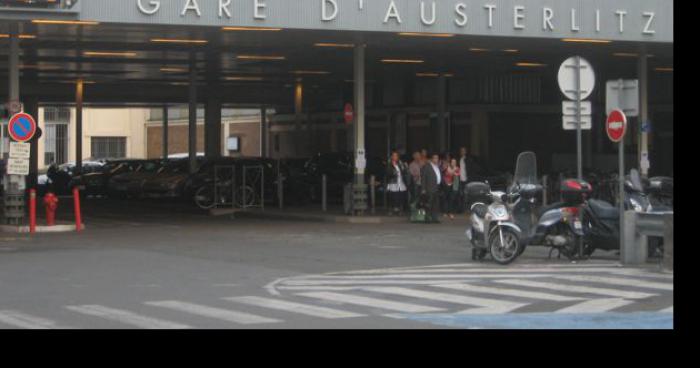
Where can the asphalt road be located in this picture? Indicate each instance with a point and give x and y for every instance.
(140, 266)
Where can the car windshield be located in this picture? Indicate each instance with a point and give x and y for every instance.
(150, 166)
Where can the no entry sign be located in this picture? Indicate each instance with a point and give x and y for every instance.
(616, 125)
(349, 113)
(22, 127)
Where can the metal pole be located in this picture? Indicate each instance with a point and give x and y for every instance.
(545, 182)
(643, 111)
(373, 193)
(79, 126)
(280, 185)
(621, 191)
(165, 132)
(359, 97)
(324, 193)
(579, 150)
(192, 128)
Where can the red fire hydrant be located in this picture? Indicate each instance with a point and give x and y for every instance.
(51, 204)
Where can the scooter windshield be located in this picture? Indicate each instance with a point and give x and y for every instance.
(526, 169)
(636, 180)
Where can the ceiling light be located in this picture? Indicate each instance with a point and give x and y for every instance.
(173, 70)
(510, 50)
(530, 65)
(22, 36)
(260, 57)
(109, 53)
(310, 72)
(434, 75)
(251, 29)
(244, 79)
(65, 22)
(664, 69)
(172, 40)
(585, 40)
(330, 44)
(476, 49)
(402, 61)
(416, 34)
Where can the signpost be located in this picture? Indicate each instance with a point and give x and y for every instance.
(577, 82)
(21, 127)
(616, 128)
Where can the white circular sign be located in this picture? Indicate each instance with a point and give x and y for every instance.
(567, 78)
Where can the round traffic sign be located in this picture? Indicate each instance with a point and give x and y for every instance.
(569, 70)
(21, 127)
(616, 125)
(349, 114)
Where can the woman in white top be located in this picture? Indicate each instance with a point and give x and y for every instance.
(397, 187)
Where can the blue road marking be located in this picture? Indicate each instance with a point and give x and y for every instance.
(553, 321)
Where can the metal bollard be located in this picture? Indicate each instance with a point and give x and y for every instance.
(373, 193)
(324, 193)
(668, 243)
(32, 211)
(634, 248)
(280, 185)
(545, 186)
(76, 206)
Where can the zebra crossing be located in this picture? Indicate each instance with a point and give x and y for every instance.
(398, 293)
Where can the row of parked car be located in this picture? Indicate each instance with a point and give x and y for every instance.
(171, 178)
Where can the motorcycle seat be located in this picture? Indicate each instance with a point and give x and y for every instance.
(604, 210)
(553, 206)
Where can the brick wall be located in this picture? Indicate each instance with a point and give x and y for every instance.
(178, 137)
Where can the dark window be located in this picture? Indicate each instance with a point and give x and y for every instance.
(108, 147)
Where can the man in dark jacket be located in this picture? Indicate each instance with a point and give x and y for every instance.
(431, 178)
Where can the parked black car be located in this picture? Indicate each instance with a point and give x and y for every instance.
(60, 179)
(171, 179)
(340, 170)
(247, 192)
(130, 184)
(96, 183)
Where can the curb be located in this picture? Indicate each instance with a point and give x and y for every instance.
(39, 229)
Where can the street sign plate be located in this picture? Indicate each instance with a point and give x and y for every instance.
(568, 72)
(20, 150)
(22, 127)
(569, 108)
(625, 98)
(348, 113)
(18, 166)
(570, 122)
(616, 125)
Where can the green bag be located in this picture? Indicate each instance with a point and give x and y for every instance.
(418, 215)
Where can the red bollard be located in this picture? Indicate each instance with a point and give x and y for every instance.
(76, 205)
(51, 204)
(32, 211)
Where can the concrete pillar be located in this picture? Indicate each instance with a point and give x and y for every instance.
(212, 127)
(264, 134)
(166, 149)
(192, 123)
(359, 102)
(79, 90)
(298, 116)
(441, 129)
(643, 75)
(12, 83)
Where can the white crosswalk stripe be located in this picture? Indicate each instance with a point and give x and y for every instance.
(667, 310)
(22, 320)
(306, 309)
(577, 289)
(596, 306)
(619, 281)
(371, 302)
(509, 292)
(126, 317)
(216, 313)
(485, 306)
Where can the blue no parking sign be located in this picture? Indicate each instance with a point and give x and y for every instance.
(22, 127)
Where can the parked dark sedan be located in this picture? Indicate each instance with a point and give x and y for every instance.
(96, 183)
(130, 184)
(340, 170)
(170, 181)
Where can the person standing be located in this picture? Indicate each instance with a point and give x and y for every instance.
(452, 188)
(463, 178)
(431, 179)
(415, 168)
(396, 178)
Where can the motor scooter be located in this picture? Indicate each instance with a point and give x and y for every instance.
(558, 225)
